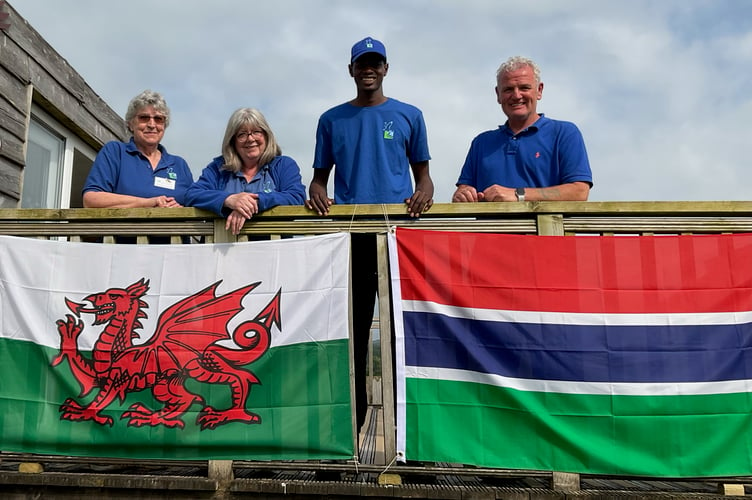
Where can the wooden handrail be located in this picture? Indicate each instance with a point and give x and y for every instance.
(524, 218)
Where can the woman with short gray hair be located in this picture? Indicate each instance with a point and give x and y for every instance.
(140, 172)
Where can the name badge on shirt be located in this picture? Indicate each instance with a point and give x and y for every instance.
(161, 182)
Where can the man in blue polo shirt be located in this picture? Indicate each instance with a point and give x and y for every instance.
(529, 158)
(373, 143)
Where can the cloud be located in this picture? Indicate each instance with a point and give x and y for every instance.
(660, 90)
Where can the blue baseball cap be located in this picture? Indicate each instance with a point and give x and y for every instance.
(365, 46)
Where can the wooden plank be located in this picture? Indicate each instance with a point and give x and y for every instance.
(12, 122)
(58, 87)
(551, 225)
(731, 489)
(12, 152)
(565, 482)
(4, 17)
(134, 228)
(672, 225)
(387, 362)
(10, 183)
(14, 60)
(221, 470)
(572, 208)
(30, 468)
(59, 75)
(624, 211)
(220, 234)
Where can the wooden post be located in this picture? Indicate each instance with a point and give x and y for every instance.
(551, 225)
(221, 470)
(735, 490)
(222, 235)
(30, 468)
(351, 354)
(565, 482)
(387, 363)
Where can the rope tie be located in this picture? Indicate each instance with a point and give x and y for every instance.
(386, 216)
(356, 461)
(352, 218)
(389, 465)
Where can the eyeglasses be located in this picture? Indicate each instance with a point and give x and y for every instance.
(158, 119)
(244, 136)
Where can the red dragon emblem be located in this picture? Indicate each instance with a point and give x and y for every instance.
(184, 345)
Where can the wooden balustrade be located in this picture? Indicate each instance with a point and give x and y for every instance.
(183, 225)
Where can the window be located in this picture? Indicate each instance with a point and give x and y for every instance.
(57, 163)
(44, 168)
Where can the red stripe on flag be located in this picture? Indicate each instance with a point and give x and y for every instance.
(588, 274)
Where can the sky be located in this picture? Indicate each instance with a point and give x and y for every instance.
(661, 90)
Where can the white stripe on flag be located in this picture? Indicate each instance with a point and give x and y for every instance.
(37, 275)
(592, 388)
(564, 318)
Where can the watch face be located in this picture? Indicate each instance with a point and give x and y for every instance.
(519, 191)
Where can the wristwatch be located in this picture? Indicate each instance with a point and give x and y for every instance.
(520, 193)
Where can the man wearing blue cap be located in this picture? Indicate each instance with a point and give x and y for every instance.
(374, 141)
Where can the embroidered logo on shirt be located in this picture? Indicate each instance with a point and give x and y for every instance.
(388, 132)
(537, 154)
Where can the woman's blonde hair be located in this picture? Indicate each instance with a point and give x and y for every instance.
(253, 118)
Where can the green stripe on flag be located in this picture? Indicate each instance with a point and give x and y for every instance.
(303, 401)
(670, 436)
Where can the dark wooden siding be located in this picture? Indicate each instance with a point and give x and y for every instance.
(32, 71)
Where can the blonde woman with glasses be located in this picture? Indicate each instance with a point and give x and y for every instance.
(250, 176)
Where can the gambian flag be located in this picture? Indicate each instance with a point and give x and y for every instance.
(226, 351)
(611, 355)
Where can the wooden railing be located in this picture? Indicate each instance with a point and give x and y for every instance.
(543, 218)
(564, 218)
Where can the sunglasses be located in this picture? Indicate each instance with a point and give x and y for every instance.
(158, 119)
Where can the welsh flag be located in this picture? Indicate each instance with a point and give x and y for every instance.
(610, 355)
(226, 351)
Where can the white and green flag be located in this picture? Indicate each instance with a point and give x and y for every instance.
(234, 351)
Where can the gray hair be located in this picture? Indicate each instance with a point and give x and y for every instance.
(144, 99)
(516, 62)
(255, 119)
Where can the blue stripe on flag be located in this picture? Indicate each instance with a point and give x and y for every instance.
(585, 353)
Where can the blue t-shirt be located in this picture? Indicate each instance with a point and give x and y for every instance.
(277, 183)
(122, 169)
(372, 148)
(547, 153)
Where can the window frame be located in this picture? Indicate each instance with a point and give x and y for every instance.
(71, 144)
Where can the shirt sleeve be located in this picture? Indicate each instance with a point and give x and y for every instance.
(575, 166)
(185, 179)
(418, 140)
(468, 174)
(207, 192)
(290, 189)
(323, 156)
(104, 171)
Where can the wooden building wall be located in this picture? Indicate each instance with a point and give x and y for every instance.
(32, 71)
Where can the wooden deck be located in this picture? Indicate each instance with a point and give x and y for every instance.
(52, 477)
